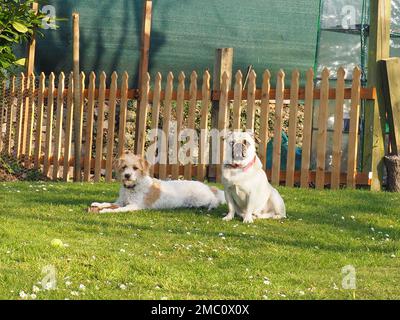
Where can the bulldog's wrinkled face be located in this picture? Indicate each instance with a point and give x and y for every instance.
(131, 168)
(240, 148)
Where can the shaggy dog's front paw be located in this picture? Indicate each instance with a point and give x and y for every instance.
(95, 205)
(228, 217)
(108, 210)
(93, 209)
(248, 219)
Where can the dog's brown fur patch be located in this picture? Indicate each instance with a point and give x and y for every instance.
(214, 190)
(152, 195)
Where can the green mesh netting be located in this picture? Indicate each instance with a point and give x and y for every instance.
(185, 33)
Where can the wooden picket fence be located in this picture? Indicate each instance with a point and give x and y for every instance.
(27, 108)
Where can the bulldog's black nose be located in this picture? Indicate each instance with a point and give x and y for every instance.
(127, 176)
(239, 151)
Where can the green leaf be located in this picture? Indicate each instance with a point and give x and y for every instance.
(20, 27)
(20, 62)
(7, 38)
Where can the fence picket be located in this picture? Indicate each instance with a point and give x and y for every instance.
(10, 116)
(164, 146)
(89, 127)
(294, 105)
(307, 129)
(338, 130)
(100, 128)
(31, 112)
(205, 103)
(39, 121)
(19, 118)
(237, 102)
(155, 114)
(266, 86)
(276, 158)
(3, 110)
(78, 169)
(353, 131)
(222, 122)
(58, 129)
(251, 106)
(144, 105)
(123, 113)
(49, 125)
(111, 127)
(191, 122)
(68, 127)
(322, 130)
(25, 117)
(179, 119)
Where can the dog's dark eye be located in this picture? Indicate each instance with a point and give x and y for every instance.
(135, 168)
(124, 167)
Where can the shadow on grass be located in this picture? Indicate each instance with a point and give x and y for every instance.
(328, 211)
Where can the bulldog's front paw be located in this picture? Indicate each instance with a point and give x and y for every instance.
(248, 219)
(228, 217)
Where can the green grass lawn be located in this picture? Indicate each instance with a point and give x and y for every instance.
(193, 254)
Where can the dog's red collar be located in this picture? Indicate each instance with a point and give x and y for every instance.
(245, 168)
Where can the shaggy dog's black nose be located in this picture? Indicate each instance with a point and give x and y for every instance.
(127, 176)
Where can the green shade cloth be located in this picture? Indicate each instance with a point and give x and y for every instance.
(185, 33)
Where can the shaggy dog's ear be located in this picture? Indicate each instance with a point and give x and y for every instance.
(118, 164)
(145, 165)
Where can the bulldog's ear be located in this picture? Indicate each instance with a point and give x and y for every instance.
(226, 134)
(251, 133)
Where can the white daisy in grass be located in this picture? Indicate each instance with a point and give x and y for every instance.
(35, 289)
(68, 283)
(74, 293)
(23, 295)
(393, 256)
(82, 287)
(302, 293)
(122, 286)
(267, 281)
(33, 296)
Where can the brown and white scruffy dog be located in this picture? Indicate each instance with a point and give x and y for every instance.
(140, 191)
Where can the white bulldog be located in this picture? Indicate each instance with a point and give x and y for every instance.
(247, 190)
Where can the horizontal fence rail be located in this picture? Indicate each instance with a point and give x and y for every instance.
(36, 124)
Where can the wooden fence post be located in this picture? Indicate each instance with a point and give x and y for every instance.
(30, 66)
(391, 83)
(30, 61)
(222, 64)
(144, 57)
(375, 113)
(77, 99)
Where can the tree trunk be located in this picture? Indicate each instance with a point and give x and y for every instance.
(392, 163)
